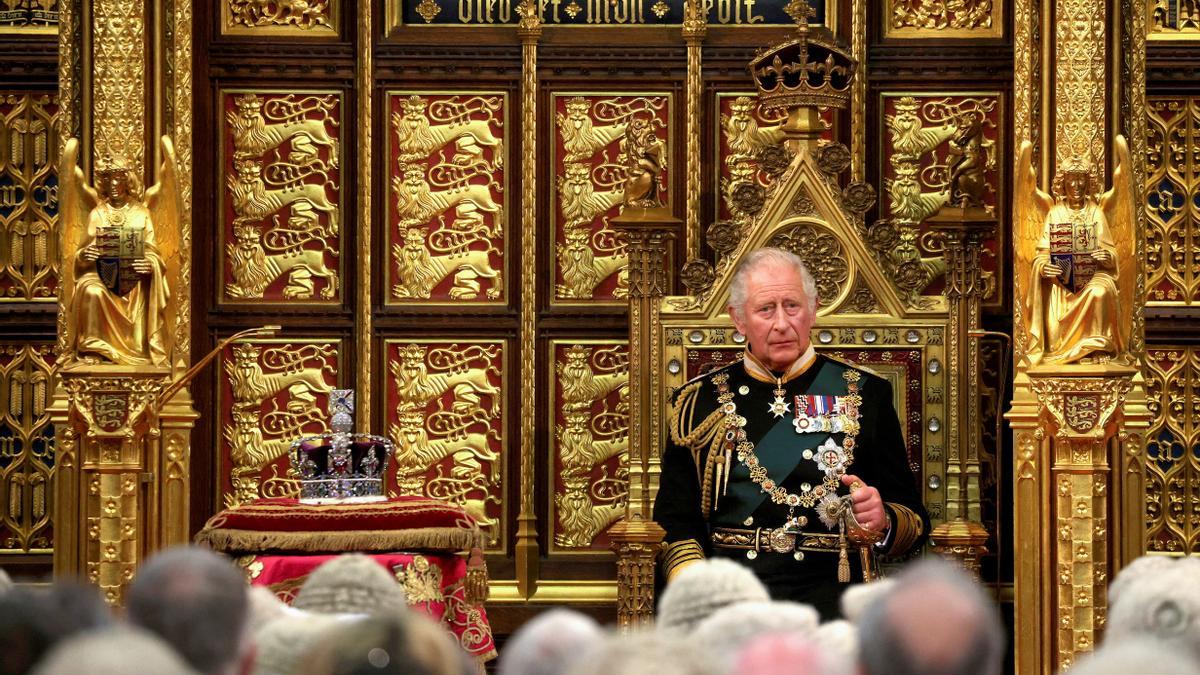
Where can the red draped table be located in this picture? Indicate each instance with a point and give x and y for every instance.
(420, 541)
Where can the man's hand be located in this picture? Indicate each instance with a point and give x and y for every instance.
(1103, 257)
(867, 504)
(143, 266)
(90, 253)
(1050, 271)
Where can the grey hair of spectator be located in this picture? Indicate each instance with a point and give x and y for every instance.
(387, 643)
(644, 653)
(936, 621)
(1161, 602)
(839, 637)
(1147, 565)
(856, 598)
(282, 643)
(265, 607)
(33, 620)
(732, 627)
(702, 588)
(197, 602)
(549, 644)
(1134, 656)
(768, 257)
(117, 650)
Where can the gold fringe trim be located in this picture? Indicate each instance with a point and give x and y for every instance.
(380, 541)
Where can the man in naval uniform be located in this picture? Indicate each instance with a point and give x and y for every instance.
(762, 452)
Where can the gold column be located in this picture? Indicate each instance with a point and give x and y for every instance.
(1078, 429)
(636, 538)
(364, 84)
(530, 31)
(122, 477)
(695, 26)
(964, 231)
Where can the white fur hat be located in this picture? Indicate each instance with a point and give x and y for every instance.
(704, 587)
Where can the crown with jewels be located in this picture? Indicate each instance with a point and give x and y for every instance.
(341, 466)
(810, 69)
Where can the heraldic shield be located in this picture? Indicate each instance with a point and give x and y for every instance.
(120, 247)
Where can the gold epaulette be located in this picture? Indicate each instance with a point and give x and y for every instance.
(850, 364)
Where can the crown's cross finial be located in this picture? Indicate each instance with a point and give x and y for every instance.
(341, 410)
(801, 12)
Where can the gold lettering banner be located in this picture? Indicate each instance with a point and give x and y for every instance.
(593, 12)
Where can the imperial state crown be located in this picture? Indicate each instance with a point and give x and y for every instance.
(341, 466)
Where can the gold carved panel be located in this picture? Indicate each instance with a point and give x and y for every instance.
(446, 414)
(28, 196)
(281, 196)
(941, 19)
(1172, 194)
(1173, 20)
(271, 393)
(1173, 449)
(28, 16)
(448, 201)
(26, 447)
(590, 444)
(744, 129)
(918, 131)
(284, 18)
(588, 160)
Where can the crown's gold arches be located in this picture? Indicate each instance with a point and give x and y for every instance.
(458, 248)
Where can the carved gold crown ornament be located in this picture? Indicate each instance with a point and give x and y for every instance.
(810, 69)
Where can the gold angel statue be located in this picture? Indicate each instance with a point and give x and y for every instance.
(1075, 262)
(121, 259)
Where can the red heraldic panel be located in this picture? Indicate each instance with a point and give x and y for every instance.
(447, 197)
(590, 444)
(589, 164)
(272, 392)
(445, 412)
(281, 197)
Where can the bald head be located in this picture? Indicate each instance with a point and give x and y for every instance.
(936, 621)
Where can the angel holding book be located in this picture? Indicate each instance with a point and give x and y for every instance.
(119, 253)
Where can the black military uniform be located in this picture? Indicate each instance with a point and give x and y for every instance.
(755, 459)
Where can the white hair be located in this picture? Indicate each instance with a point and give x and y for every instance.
(119, 650)
(768, 257)
(733, 627)
(839, 637)
(643, 653)
(1134, 656)
(1161, 602)
(700, 589)
(550, 644)
(856, 598)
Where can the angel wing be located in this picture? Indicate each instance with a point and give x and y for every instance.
(163, 202)
(1121, 213)
(1030, 207)
(76, 199)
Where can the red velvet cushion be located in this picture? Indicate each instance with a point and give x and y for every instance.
(286, 525)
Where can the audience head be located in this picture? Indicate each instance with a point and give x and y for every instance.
(350, 584)
(196, 601)
(644, 653)
(788, 654)
(118, 650)
(283, 643)
(1145, 566)
(388, 643)
(858, 597)
(704, 587)
(549, 644)
(731, 628)
(1133, 656)
(840, 638)
(34, 620)
(1158, 601)
(935, 621)
(265, 607)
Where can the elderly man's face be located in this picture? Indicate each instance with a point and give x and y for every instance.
(776, 319)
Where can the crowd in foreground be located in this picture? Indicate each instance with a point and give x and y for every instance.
(190, 611)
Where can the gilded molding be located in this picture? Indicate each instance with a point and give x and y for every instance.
(364, 80)
(858, 91)
(1172, 471)
(529, 30)
(27, 375)
(29, 122)
(292, 18)
(119, 85)
(1080, 84)
(178, 104)
(931, 19)
(695, 27)
(1168, 20)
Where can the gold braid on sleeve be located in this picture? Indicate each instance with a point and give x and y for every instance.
(906, 529)
(697, 437)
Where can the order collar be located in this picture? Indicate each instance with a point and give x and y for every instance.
(759, 371)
